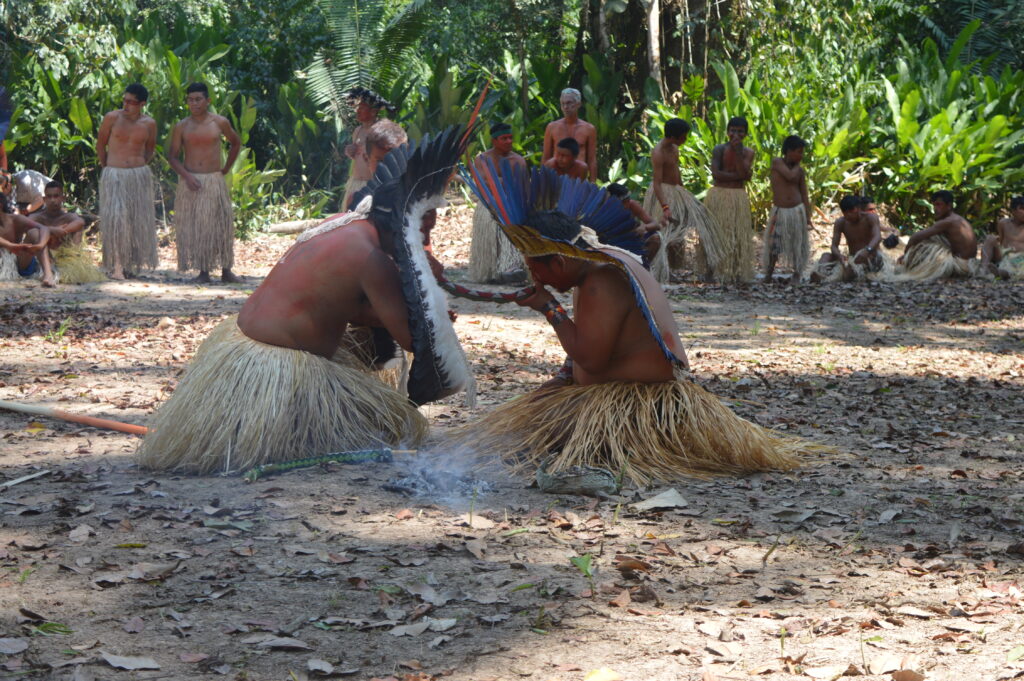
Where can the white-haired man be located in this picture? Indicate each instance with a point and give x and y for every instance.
(572, 126)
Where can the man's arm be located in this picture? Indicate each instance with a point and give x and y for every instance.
(876, 233)
(3, 157)
(174, 158)
(103, 136)
(549, 143)
(718, 173)
(837, 235)
(592, 153)
(658, 163)
(746, 163)
(806, 196)
(648, 223)
(788, 174)
(233, 139)
(939, 227)
(382, 286)
(150, 140)
(24, 224)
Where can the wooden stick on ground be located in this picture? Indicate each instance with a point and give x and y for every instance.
(50, 412)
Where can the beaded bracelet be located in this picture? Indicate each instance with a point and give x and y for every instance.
(554, 313)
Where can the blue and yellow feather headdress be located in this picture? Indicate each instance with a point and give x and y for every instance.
(607, 230)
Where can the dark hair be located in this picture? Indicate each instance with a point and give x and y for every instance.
(139, 91)
(676, 127)
(571, 144)
(617, 190)
(553, 224)
(866, 201)
(1016, 202)
(849, 203)
(792, 142)
(501, 128)
(737, 122)
(54, 184)
(943, 195)
(198, 87)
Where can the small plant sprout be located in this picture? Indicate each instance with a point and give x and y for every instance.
(585, 564)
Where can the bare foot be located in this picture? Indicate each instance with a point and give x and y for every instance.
(203, 278)
(229, 277)
(49, 282)
(117, 273)
(816, 278)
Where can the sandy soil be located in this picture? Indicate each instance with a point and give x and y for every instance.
(898, 561)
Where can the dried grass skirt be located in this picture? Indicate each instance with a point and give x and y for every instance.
(878, 268)
(730, 250)
(646, 430)
(490, 251)
(204, 224)
(693, 218)
(243, 403)
(933, 259)
(73, 264)
(789, 240)
(351, 187)
(127, 218)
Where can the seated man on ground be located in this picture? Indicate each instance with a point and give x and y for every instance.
(1002, 254)
(71, 261)
(23, 241)
(946, 249)
(863, 234)
(647, 229)
(566, 160)
(288, 378)
(890, 235)
(28, 190)
(628, 407)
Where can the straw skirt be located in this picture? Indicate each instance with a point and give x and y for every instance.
(204, 224)
(933, 259)
(789, 241)
(646, 431)
(730, 250)
(73, 264)
(243, 403)
(692, 218)
(127, 218)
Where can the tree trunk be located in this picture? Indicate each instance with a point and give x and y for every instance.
(603, 42)
(654, 44)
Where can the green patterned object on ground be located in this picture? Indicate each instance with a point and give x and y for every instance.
(361, 456)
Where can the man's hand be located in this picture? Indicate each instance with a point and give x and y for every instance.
(862, 258)
(537, 300)
(192, 182)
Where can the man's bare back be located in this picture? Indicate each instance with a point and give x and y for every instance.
(126, 138)
(322, 285)
(963, 243)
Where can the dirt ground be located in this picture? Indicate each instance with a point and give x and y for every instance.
(900, 560)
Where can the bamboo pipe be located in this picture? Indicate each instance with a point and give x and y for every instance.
(107, 424)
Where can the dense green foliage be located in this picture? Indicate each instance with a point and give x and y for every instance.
(897, 97)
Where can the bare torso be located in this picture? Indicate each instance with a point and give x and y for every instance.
(665, 157)
(735, 163)
(61, 219)
(579, 130)
(577, 170)
(786, 191)
(1011, 234)
(858, 234)
(492, 154)
(960, 234)
(201, 141)
(322, 285)
(131, 142)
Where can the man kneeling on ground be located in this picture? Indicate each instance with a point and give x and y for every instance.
(946, 249)
(863, 234)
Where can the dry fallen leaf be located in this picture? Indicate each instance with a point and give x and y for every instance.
(129, 663)
(622, 600)
(13, 646)
(319, 666)
(829, 673)
(192, 658)
(603, 674)
(135, 625)
(284, 643)
(907, 675)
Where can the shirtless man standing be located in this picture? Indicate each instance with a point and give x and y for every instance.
(945, 249)
(203, 218)
(863, 234)
(492, 257)
(125, 145)
(73, 262)
(26, 239)
(730, 250)
(368, 105)
(566, 160)
(572, 126)
(678, 210)
(787, 232)
(1002, 254)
